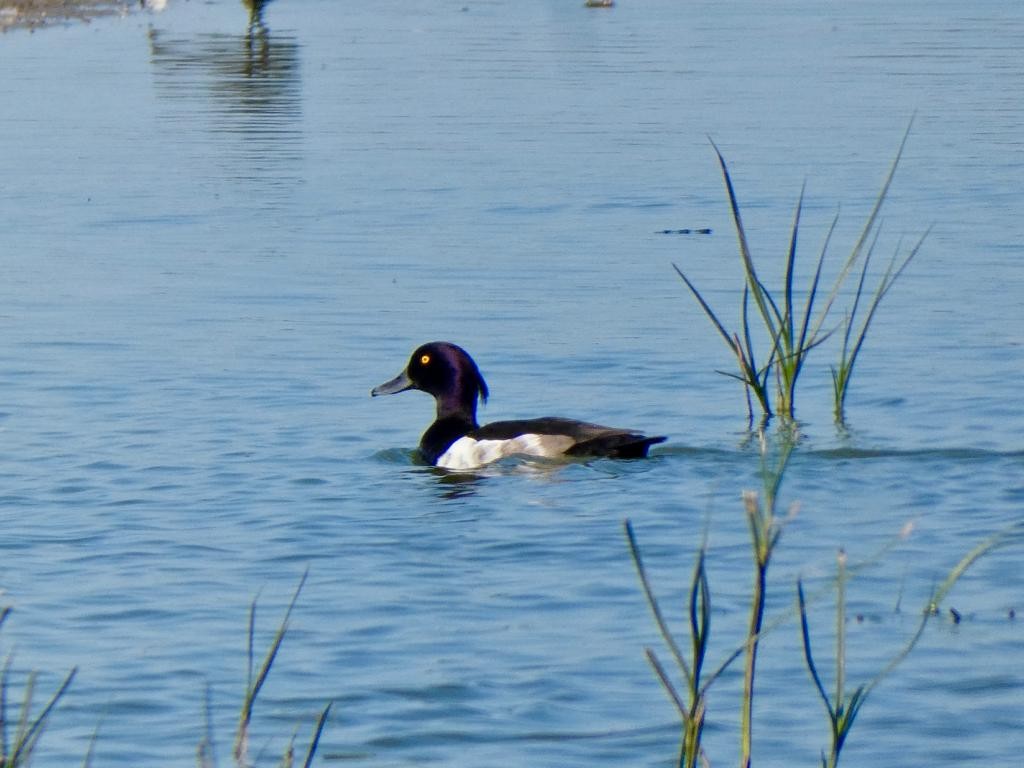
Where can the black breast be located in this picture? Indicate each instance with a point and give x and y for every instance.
(441, 434)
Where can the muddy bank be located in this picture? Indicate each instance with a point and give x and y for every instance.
(33, 14)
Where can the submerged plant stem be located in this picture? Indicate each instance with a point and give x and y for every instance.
(764, 534)
(756, 619)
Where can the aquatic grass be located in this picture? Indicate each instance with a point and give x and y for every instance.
(17, 746)
(255, 681)
(792, 333)
(91, 749)
(17, 751)
(753, 377)
(842, 710)
(766, 525)
(20, 735)
(206, 755)
(765, 528)
(789, 341)
(842, 707)
(843, 370)
(692, 709)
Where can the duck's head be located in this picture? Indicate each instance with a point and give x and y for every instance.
(445, 371)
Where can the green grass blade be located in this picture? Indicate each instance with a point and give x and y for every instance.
(745, 362)
(848, 360)
(778, 324)
(790, 264)
(666, 683)
(255, 685)
(891, 275)
(883, 193)
(4, 676)
(700, 615)
(840, 629)
(758, 376)
(1013, 533)
(739, 377)
(21, 729)
(29, 730)
(728, 661)
(706, 307)
(859, 293)
(652, 602)
(317, 733)
(275, 645)
(288, 756)
(748, 342)
(841, 374)
(756, 380)
(744, 354)
(3, 710)
(90, 751)
(206, 755)
(808, 656)
(790, 355)
(842, 729)
(734, 205)
(865, 231)
(250, 645)
(756, 286)
(812, 292)
(1008, 535)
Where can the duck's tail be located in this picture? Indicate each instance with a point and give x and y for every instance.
(621, 445)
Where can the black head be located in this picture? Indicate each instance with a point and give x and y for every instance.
(445, 371)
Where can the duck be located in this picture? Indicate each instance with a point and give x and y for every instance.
(456, 441)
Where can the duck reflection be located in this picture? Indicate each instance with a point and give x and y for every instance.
(457, 486)
(243, 89)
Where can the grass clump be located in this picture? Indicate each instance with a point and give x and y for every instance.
(793, 331)
(842, 704)
(843, 707)
(852, 344)
(20, 734)
(256, 678)
(693, 706)
(765, 530)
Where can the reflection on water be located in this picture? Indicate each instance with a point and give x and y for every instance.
(244, 90)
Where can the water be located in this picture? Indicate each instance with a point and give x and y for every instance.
(215, 242)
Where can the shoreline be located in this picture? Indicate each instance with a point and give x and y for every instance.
(39, 14)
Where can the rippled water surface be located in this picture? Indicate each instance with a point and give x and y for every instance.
(219, 234)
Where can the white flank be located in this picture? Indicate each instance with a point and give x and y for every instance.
(467, 453)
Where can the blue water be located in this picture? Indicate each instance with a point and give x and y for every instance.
(216, 241)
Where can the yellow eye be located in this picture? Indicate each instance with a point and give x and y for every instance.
(424, 359)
